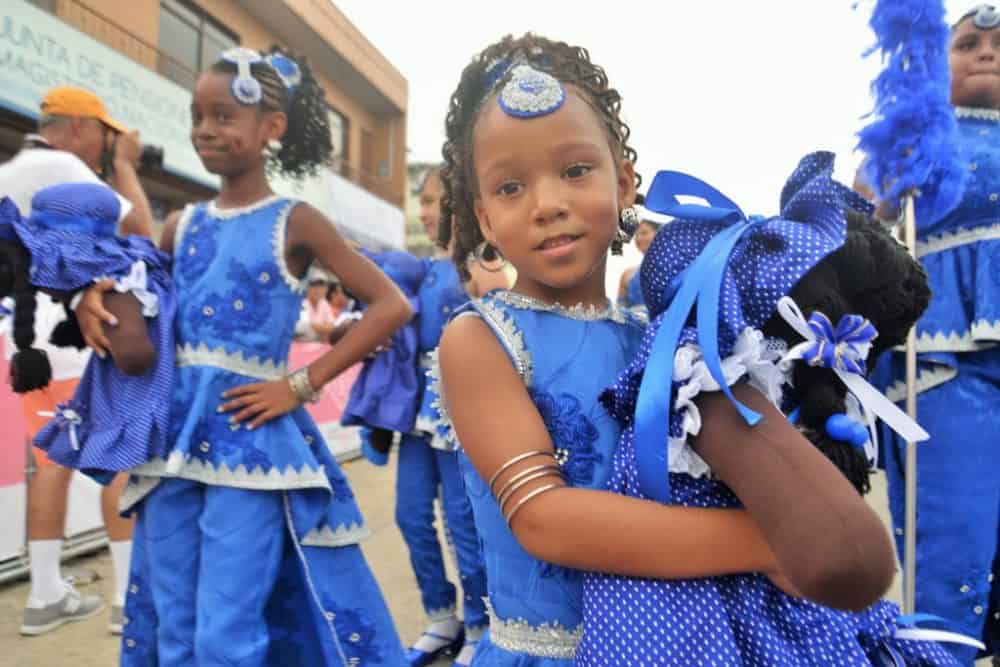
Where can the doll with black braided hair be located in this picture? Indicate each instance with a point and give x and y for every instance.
(754, 318)
(539, 171)
(256, 507)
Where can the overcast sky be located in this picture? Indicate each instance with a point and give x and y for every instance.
(732, 91)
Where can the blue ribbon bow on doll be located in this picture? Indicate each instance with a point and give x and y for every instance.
(733, 271)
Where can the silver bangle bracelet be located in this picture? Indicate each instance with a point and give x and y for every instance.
(530, 496)
(517, 459)
(526, 475)
(301, 387)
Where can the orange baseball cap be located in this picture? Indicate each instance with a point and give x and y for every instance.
(78, 103)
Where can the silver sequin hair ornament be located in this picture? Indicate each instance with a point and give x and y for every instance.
(525, 90)
(984, 17)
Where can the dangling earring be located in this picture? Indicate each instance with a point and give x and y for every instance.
(271, 149)
(481, 255)
(628, 223)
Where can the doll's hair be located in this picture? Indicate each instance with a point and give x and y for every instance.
(29, 367)
(569, 64)
(871, 275)
(306, 145)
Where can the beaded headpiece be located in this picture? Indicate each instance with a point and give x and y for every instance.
(984, 17)
(528, 92)
(246, 89)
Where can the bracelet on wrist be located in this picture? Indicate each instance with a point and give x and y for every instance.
(301, 387)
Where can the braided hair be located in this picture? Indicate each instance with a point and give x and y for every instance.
(871, 275)
(569, 64)
(306, 145)
(29, 367)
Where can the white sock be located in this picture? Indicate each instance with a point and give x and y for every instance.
(47, 585)
(121, 556)
(444, 632)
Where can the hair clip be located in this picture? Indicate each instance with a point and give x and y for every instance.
(841, 427)
(531, 93)
(246, 89)
(287, 69)
(985, 17)
(495, 71)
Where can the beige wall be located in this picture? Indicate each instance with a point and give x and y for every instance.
(138, 36)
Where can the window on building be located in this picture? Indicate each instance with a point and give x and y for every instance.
(339, 133)
(190, 41)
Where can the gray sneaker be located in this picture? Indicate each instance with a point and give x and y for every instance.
(73, 607)
(117, 619)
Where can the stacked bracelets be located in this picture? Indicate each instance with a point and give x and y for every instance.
(301, 387)
(522, 478)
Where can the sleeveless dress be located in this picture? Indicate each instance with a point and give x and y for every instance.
(727, 621)
(237, 308)
(386, 391)
(565, 357)
(633, 291)
(114, 421)
(958, 391)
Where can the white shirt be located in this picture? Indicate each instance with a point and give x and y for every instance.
(20, 178)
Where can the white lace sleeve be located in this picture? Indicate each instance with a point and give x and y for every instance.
(754, 357)
(136, 282)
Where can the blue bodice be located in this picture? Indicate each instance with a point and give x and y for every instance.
(565, 357)
(633, 290)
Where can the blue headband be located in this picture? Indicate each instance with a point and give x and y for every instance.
(246, 89)
(984, 17)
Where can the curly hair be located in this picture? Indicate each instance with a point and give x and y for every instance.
(871, 275)
(306, 145)
(569, 64)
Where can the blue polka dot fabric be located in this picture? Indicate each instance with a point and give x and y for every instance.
(742, 620)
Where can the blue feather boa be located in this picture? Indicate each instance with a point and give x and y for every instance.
(911, 145)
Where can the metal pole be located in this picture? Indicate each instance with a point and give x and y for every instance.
(910, 534)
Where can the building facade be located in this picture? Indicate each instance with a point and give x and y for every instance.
(143, 62)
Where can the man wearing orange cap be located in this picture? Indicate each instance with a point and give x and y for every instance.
(75, 134)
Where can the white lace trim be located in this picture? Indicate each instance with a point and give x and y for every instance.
(578, 312)
(447, 442)
(511, 338)
(548, 640)
(981, 335)
(957, 238)
(234, 362)
(979, 114)
(297, 285)
(753, 357)
(230, 213)
(136, 282)
(926, 379)
(344, 535)
(182, 225)
(187, 467)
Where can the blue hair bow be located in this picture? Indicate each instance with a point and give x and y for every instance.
(810, 196)
(845, 347)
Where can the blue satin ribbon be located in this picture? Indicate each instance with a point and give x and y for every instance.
(700, 286)
(74, 223)
(844, 347)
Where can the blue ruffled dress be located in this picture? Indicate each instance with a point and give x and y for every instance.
(386, 392)
(565, 357)
(113, 422)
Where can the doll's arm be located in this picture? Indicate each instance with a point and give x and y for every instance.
(829, 544)
(496, 421)
(130, 346)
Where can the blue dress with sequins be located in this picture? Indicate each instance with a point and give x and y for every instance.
(237, 308)
(565, 357)
(958, 391)
(440, 296)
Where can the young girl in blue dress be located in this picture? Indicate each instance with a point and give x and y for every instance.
(246, 535)
(117, 418)
(539, 169)
(745, 341)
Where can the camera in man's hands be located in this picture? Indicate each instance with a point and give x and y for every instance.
(151, 157)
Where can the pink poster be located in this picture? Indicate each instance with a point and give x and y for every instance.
(329, 408)
(12, 433)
